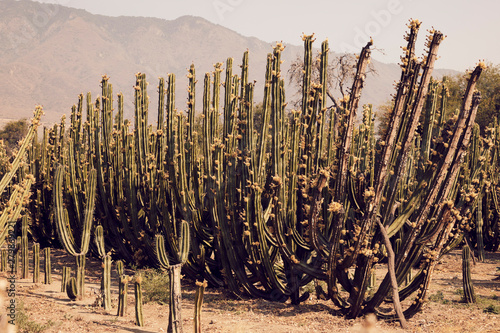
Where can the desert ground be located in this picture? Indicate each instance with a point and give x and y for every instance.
(43, 308)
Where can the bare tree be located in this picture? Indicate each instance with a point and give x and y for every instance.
(341, 70)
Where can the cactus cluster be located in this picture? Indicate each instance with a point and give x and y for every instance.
(264, 209)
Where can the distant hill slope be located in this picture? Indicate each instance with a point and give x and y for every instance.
(50, 54)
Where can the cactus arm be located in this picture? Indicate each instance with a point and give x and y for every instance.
(469, 295)
(71, 289)
(61, 214)
(161, 252)
(99, 240)
(90, 192)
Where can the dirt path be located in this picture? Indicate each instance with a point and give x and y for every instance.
(46, 309)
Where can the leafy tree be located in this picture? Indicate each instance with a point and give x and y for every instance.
(13, 132)
(383, 114)
(488, 85)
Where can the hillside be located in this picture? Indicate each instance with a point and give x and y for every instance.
(51, 53)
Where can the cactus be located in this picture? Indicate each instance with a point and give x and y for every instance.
(198, 302)
(119, 268)
(106, 268)
(64, 225)
(123, 281)
(36, 262)
(122, 295)
(66, 275)
(139, 319)
(264, 210)
(20, 192)
(17, 259)
(7, 177)
(479, 229)
(469, 295)
(72, 289)
(24, 248)
(47, 266)
(4, 260)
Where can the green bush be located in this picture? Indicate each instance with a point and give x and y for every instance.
(155, 286)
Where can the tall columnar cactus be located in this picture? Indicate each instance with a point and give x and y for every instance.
(67, 228)
(198, 302)
(24, 248)
(123, 294)
(17, 255)
(36, 262)
(122, 289)
(44, 156)
(106, 268)
(4, 260)
(66, 275)
(47, 266)
(139, 318)
(469, 295)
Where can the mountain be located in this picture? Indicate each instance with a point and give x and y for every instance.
(51, 53)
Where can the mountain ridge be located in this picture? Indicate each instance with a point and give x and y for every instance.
(52, 53)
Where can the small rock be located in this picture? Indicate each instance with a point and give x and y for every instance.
(212, 321)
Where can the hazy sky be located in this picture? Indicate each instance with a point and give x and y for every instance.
(471, 27)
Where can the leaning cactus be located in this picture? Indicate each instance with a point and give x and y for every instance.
(20, 192)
